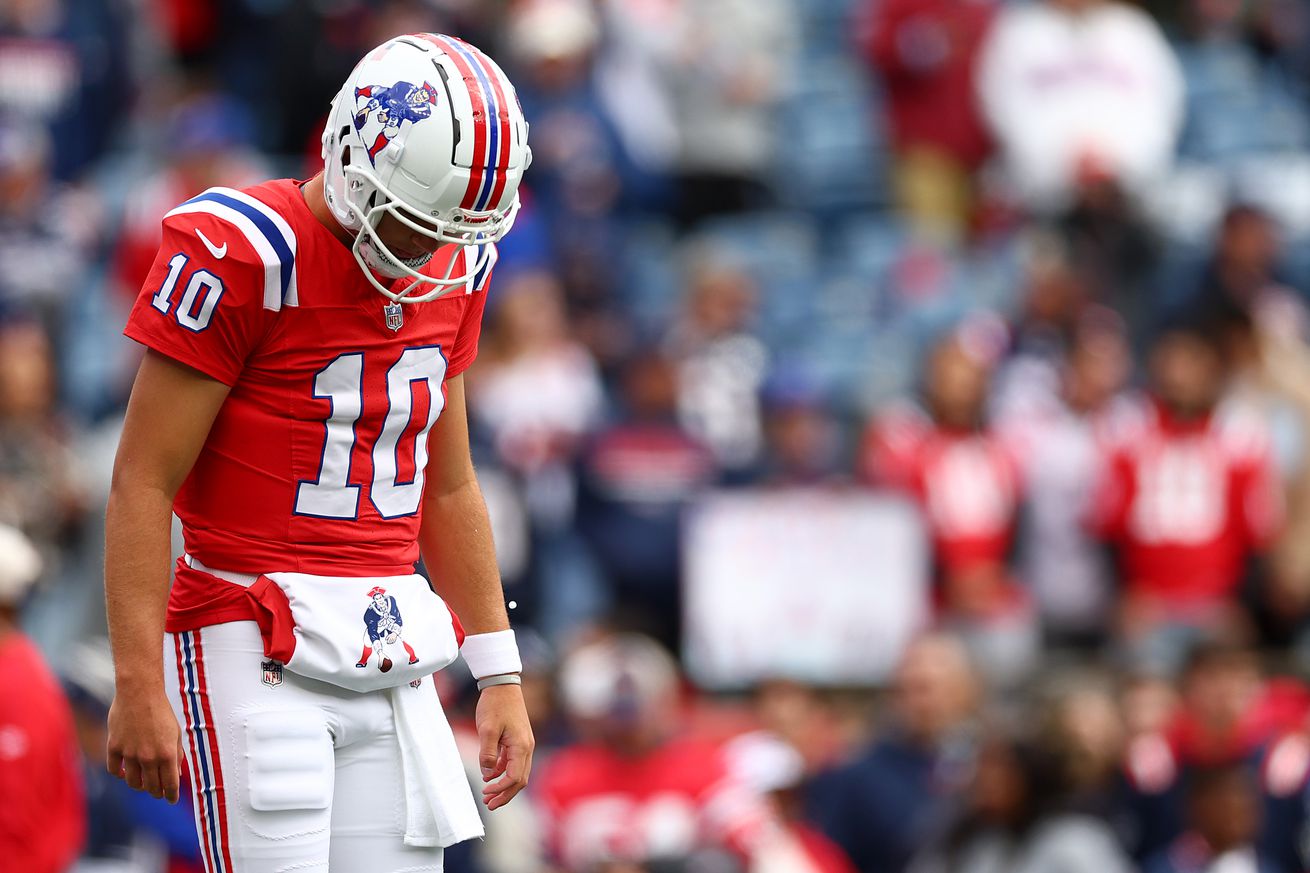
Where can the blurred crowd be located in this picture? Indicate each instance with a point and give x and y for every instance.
(1038, 269)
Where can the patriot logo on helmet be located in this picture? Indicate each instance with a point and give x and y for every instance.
(387, 108)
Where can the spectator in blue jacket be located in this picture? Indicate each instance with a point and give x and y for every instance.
(1223, 811)
(885, 805)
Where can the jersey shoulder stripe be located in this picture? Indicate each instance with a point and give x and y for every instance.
(267, 232)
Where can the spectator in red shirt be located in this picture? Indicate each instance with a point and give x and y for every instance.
(925, 52)
(951, 461)
(632, 791)
(42, 817)
(775, 769)
(1189, 495)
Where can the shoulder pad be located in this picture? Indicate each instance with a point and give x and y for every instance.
(267, 232)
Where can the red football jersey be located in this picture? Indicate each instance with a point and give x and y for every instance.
(1187, 502)
(315, 462)
(966, 481)
(602, 806)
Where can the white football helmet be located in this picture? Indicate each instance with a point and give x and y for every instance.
(429, 130)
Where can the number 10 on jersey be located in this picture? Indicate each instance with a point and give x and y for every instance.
(332, 494)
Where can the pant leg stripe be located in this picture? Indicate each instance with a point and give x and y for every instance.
(219, 789)
(206, 781)
(194, 761)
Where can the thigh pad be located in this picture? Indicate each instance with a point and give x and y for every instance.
(290, 763)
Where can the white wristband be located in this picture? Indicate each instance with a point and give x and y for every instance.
(491, 654)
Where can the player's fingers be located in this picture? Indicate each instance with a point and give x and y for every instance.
(171, 777)
(114, 763)
(489, 751)
(518, 764)
(132, 773)
(496, 770)
(492, 788)
(503, 785)
(502, 761)
(151, 767)
(150, 781)
(496, 799)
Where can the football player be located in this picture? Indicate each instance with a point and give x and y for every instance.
(301, 408)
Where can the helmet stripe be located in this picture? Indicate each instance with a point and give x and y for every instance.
(480, 131)
(502, 121)
(493, 110)
(491, 185)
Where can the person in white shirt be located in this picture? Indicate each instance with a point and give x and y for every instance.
(1079, 90)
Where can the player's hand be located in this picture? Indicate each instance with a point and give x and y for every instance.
(505, 743)
(145, 743)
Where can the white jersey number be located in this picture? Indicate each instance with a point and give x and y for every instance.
(341, 383)
(202, 282)
(1182, 497)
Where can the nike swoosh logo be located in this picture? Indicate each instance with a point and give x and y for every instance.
(216, 251)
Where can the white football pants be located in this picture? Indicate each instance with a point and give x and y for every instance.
(289, 775)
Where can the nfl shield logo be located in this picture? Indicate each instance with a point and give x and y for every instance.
(272, 673)
(395, 315)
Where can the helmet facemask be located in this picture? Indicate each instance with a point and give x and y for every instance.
(471, 231)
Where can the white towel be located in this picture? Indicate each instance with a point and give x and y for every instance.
(439, 805)
(385, 617)
(346, 630)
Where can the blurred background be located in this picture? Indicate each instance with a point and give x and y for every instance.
(895, 417)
